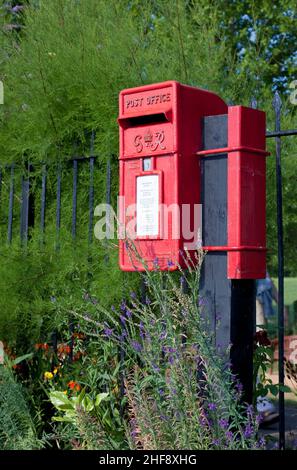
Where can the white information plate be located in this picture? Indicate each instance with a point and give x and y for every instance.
(147, 205)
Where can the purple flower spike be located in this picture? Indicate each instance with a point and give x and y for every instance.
(123, 319)
(216, 442)
(229, 435)
(259, 418)
(128, 313)
(163, 335)
(123, 306)
(248, 432)
(132, 295)
(170, 263)
(136, 346)
(223, 423)
(17, 8)
(261, 442)
(212, 406)
(108, 332)
(155, 367)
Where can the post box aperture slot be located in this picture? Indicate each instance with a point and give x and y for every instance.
(147, 205)
(145, 119)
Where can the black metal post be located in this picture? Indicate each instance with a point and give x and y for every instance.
(277, 109)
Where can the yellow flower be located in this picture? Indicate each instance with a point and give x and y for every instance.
(65, 392)
(48, 375)
(55, 371)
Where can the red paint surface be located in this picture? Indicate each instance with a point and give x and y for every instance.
(246, 193)
(171, 139)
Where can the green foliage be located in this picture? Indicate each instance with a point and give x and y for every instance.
(63, 68)
(164, 348)
(17, 429)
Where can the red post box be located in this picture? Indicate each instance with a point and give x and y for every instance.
(160, 133)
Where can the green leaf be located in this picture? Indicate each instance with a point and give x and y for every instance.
(81, 395)
(87, 404)
(63, 419)
(22, 358)
(285, 388)
(100, 397)
(273, 389)
(60, 401)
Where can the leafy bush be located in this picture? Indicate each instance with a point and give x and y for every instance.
(177, 392)
(17, 428)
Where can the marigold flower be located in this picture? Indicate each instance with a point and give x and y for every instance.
(42, 346)
(77, 355)
(74, 386)
(79, 335)
(48, 375)
(64, 348)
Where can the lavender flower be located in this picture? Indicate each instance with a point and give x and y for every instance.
(136, 346)
(123, 306)
(156, 263)
(250, 411)
(142, 330)
(259, 418)
(163, 335)
(223, 423)
(132, 295)
(155, 367)
(108, 332)
(248, 432)
(261, 442)
(128, 313)
(216, 442)
(239, 387)
(212, 406)
(17, 8)
(229, 435)
(123, 335)
(123, 319)
(147, 300)
(170, 263)
(171, 360)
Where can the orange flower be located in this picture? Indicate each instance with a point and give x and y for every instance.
(64, 349)
(42, 346)
(77, 356)
(79, 335)
(74, 386)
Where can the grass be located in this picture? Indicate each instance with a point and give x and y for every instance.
(290, 289)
